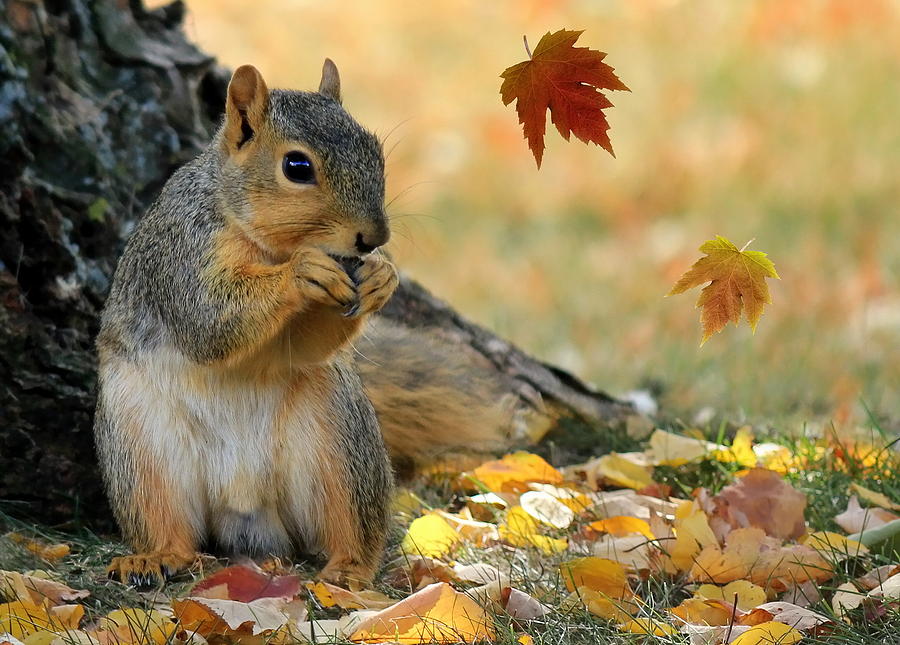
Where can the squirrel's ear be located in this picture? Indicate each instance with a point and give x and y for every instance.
(330, 85)
(246, 106)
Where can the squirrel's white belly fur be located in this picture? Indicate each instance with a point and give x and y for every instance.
(230, 441)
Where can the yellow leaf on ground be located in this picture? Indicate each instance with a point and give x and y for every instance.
(670, 449)
(746, 594)
(431, 536)
(138, 626)
(619, 610)
(741, 450)
(737, 281)
(21, 618)
(735, 561)
(648, 626)
(769, 633)
(436, 614)
(873, 497)
(622, 525)
(692, 535)
(512, 472)
(699, 611)
(330, 595)
(620, 471)
(574, 499)
(520, 529)
(601, 575)
(834, 546)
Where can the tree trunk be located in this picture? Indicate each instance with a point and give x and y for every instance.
(99, 102)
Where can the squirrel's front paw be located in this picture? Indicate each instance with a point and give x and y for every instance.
(323, 279)
(146, 570)
(376, 278)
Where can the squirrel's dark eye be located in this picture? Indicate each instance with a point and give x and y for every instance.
(298, 168)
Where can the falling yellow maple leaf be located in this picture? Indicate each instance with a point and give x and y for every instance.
(737, 281)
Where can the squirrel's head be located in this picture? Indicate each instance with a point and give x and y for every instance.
(298, 170)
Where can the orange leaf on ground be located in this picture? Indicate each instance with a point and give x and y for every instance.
(622, 525)
(514, 471)
(737, 281)
(436, 614)
(566, 80)
(761, 498)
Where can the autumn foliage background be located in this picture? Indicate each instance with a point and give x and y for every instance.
(768, 120)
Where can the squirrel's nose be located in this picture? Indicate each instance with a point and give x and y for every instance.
(372, 241)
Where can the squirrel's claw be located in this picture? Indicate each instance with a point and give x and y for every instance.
(145, 570)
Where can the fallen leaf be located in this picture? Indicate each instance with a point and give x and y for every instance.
(478, 573)
(692, 535)
(599, 574)
(703, 611)
(873, 497)
(138, 625)
(521, 606)
(877, 576)
(208, 616)
(647, 626)
(846, 598)
(741, 450)
(735, 561)
(857, 519)
(762, 499)
(35, 589)
(833, 546)
(737, 281)
(513, 473)
(547, 509)
(622, 525)
(49, 552)
(330, 595)
(436, 614)
(670, 449)
(476, 532)
(890, 588)
(430, 536)
(619, 610)
(245, 583)
(769, 633)
(617, 470)
(742, 593)
(799, 618)
(634, 552)
(520, 529)
(566, 80)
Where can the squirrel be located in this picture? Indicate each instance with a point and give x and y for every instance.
(231, 415)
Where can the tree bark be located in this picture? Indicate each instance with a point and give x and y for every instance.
(100, 101)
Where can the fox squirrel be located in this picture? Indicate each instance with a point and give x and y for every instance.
(231, 415)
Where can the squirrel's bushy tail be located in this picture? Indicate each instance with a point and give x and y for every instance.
(429, 401)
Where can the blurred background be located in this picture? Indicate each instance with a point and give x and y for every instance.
(772, 120)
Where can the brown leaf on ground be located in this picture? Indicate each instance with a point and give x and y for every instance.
(762, 499)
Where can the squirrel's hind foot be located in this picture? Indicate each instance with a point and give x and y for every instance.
(347, 575)
(147, 570)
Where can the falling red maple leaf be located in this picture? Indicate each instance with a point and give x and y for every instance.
(566, 80)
